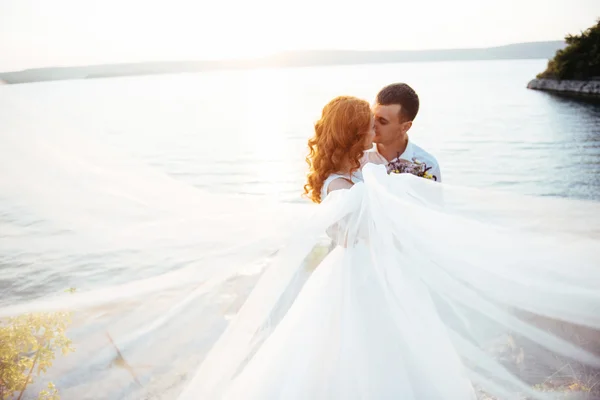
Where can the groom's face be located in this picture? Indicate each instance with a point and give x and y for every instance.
(389, 126)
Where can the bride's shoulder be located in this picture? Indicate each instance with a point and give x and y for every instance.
(339, 183)
(336, 177)
(336, 182)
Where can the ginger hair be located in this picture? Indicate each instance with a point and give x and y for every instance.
(338, 142)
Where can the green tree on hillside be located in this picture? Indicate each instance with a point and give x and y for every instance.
(580, 60)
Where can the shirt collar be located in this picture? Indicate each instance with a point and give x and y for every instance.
(408, 154)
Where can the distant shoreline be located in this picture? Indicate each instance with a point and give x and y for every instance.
(520, 51)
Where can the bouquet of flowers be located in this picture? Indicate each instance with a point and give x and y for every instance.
(415, 167)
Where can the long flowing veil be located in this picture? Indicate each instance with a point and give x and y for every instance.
(175, 289)
(145, 270)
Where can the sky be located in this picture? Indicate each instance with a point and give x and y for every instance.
(43, 33)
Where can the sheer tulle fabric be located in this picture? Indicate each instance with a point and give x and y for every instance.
(420, 301)
(429, 291)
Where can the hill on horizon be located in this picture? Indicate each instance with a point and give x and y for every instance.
(531, 50)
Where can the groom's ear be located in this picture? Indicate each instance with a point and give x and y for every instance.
(407, 125)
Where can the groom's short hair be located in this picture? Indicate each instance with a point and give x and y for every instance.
(404, 96)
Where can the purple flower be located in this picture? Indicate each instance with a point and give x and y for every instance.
(414, 167)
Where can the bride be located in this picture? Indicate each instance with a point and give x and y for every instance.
(392, 287)
(418, 295)
(344, 338)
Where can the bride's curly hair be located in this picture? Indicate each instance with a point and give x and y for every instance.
(338, 141)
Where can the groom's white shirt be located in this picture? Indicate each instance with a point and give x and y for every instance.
(412, 151)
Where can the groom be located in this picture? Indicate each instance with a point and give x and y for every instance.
(395, 109)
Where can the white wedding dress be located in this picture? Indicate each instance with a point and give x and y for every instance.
(342, 340)
(430, 291)
(411, 303)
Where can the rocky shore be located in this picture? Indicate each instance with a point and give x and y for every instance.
(590, 89)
